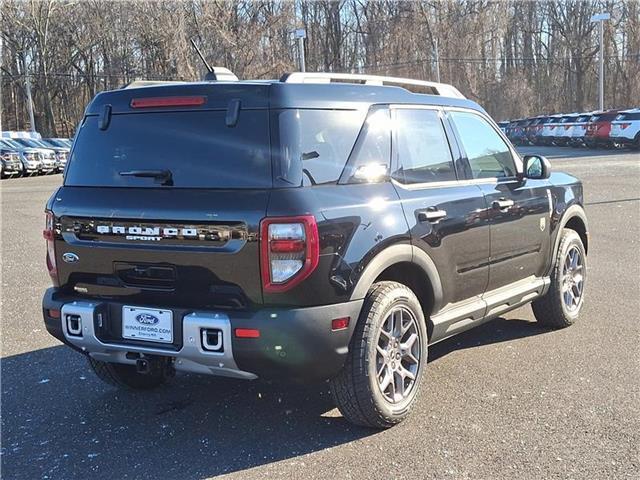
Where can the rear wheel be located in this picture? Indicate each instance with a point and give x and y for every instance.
(126, 376)
(381, 378)
(561, 305)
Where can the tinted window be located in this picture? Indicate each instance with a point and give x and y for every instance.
(423, 149)
(197, 148)
(488, 155)
(318, 142)
(628, 116)
(372, 152)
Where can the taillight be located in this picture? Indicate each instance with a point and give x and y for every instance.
(624, 125)
(289, 251)
(49, 235)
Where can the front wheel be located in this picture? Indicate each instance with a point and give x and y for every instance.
(561, 305)
(381, 378)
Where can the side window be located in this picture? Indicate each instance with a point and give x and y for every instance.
(316, 143)
(370, 158)
(423, 150)
(488, 155)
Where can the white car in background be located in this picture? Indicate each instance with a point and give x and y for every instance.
(579, 129)
(625, 129)
(548, 134)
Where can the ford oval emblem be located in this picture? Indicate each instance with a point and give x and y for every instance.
(147, 319)
(70, 257)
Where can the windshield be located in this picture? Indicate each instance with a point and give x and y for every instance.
(57, 142)
(12, 144)
(28, 142)
(196, 148)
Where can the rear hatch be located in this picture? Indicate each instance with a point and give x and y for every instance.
(163, 196)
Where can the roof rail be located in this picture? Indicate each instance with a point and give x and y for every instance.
(149, 83)
(415, 86)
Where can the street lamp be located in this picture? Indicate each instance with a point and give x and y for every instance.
(600, 19)
(300, 34)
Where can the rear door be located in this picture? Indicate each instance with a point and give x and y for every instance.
(519, 211)
(446, 216)
(162, 207)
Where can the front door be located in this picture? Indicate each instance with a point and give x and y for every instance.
(519, 210)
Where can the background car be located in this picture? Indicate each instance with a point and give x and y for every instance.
(547, 136)
(534, 129)
(625, 129)
(562, 130)
(47, 154)
(517, 131)
(598, 129)
(10, 161)
(31, 158)
(578, 129)
(61, 150)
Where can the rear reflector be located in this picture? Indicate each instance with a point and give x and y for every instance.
(168, 102)
(340, 323)
(247, 333)
(287, 246)
(53, 313)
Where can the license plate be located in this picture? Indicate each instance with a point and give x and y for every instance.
(151, 325)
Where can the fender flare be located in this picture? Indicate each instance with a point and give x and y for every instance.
(573, 211)
(396, 254)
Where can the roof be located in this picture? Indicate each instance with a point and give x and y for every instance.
(328, 91)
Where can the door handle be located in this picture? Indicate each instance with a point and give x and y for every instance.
(431, 214)
(502, 204)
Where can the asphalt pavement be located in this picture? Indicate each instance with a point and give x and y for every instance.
(507, 400)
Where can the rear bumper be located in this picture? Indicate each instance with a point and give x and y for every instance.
(621, 140)
(295, 343)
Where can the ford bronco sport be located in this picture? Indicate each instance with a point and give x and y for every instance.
(321, 226)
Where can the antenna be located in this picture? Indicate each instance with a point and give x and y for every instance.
(201, 56)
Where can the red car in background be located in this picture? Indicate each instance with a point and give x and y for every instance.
(598, 129)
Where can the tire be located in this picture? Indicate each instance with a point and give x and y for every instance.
(357, 389)
(125, 376)
(552, 310)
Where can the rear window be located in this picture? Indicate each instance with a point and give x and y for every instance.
(628, 116)
(197, 148)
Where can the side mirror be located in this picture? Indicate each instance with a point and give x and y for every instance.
(536, 167)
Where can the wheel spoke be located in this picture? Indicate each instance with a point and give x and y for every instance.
(406, 373)
(574, 259)
(398, 385)
(408, 344)
(386, 380)
(411, 357)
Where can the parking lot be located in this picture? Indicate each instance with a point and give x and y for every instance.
(506, 400)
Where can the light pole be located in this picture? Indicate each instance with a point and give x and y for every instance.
(600, 19)
(301, 34)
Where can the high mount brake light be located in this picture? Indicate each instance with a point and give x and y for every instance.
(49, 235)
(289, 251)
(154, 102)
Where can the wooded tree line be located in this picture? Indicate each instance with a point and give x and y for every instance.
(517, 58)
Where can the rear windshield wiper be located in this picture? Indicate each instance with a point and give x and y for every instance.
(163, 176)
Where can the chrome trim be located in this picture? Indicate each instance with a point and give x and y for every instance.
(191, 357)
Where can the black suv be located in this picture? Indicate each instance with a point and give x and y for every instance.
(315, 227)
